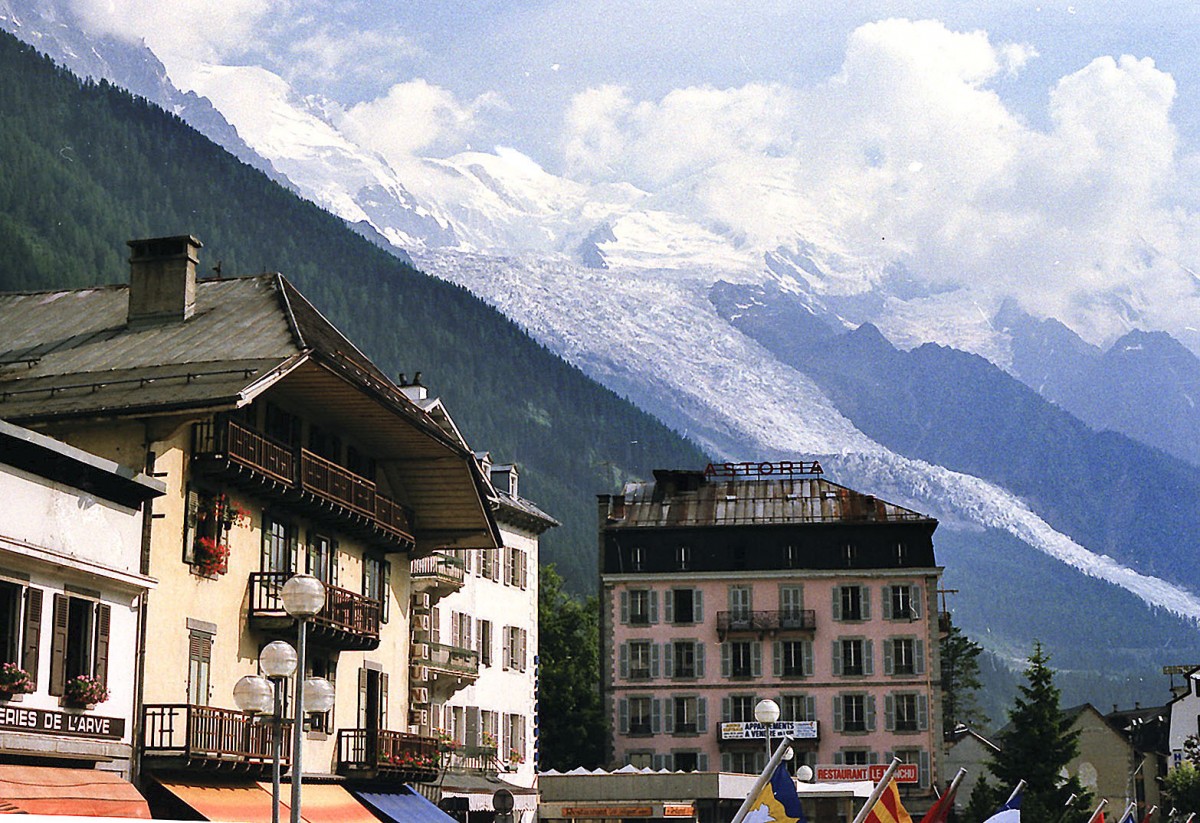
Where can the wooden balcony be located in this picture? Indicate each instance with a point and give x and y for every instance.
(348, 620)
(369, 754)
(444, 660)
(302, 479)
(765, 622)
(180, 736)
(439, 574)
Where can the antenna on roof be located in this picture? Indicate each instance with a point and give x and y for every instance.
(217, 269)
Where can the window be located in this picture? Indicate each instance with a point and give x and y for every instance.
(906, 656)
(515, 652)
(360, 463)
(855, 757)
(854, 713)
(640, 720)
(901, 602)
(852, 657)
(636, 558)
(640, 659)
(740, 708)
(322, 665)
(683, 606)
(199, 667)
(849, 553)
(683, 659)
(376, 582)
(281, 425)
(10, 622)
(683, 558)
(739, 604)
(514, 738)
(742, 762)
(686, 715)
(515, 570)
(321, 559)
(851, 603)
(20, 626)
(487, 563)
(687, 761)
(791, 607)
(797, 707)
(920, 758)
(741, 658)
(460, 630)
(640, 760)
(901, 554)
(485, 642)
(795, 658)
(904, 717)
(639, 607)
(278, 545)
(324, 444)
(79, 644)
(489, 721)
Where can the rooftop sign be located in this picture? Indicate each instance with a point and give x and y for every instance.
(779, 468)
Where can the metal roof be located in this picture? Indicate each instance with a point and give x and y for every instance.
(691, 499)
(72, 354)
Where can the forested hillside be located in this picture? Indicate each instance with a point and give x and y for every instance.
(85, 167)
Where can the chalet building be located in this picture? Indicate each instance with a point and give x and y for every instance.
(71, 614)
(722, 587)
(482, 643)
(282, 449)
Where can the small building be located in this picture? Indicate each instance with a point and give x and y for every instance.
(746, 581)
(970, 750)
(72, 611)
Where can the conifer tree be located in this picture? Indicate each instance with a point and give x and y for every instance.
(1036, 746)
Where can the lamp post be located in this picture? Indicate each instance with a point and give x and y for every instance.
(264, 695)
(766, 712)
(303, 596)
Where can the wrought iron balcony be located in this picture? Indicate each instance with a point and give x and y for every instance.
(441, 659)
(178, 736)
(238, 453)
(439, 574)
(480, 759)
(763, 622)
(348, 620)
(377, 753)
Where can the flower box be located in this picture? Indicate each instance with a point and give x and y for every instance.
(14, 682)
(84, 691)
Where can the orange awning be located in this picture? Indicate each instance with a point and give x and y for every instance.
(328, 803)
(250, 802)
(79, 792)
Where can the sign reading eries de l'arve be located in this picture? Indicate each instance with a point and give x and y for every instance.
(40, 721)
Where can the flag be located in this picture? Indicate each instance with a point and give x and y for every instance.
(778, 801)
(941, 809)
(1010, 812)
(1098, 817)
(888, 808)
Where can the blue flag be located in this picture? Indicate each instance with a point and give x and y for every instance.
(778, 801)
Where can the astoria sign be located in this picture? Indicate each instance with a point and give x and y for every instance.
(40, 721)
(779, 468)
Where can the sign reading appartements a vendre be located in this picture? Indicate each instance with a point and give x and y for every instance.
(41, 721)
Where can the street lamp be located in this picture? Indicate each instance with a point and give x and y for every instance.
(264, 695)
(303, 596)
(766, 712)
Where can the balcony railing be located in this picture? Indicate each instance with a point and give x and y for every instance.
(232, 447)
(442, 658)
(347, 621)
(474, 759)
(208, 738)
(380, 753)
(439, 572)
(759, 622)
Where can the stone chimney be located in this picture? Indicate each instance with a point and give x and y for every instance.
(162, 279)
(504, 479)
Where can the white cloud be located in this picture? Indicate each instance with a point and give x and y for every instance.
(413, 117)
(328, 55)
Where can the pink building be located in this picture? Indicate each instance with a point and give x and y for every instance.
(749, 581)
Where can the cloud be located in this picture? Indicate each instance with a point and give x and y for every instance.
(413, 117)
(909, 152)
(340, 54)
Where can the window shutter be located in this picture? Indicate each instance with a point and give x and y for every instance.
(669, 606)
(873, 757)
(756, 659)
(889, 713)
(837, 658)
(58, 645)
(866, 602)
(806, 649)
(699, 660)
(508, 653)
(922, 712)
(837, 713)
(923, 769)
(870, 712)
(697, 606)
(888, 666)
(103, 621)
(838, 759)
(726, 762)
(726, 709)
(886, 600)
(669, 716)
(293, 547)
(702, 762)
(189, 525)
(383, 700)
(810, 708)
(868, 657)
(624, 607)
(668, 659)
(837, 602)
(623, 716)
(333, 562)
(655, 715)
(523, 657)
(496, 568)
(702, 715)
(385, 593)
(653, 607)
(777, 658)
(33, 632)
(622, 664)
(654, 660)
(914, 593)
(725, 664)
(362, 698)
(658, 762)
(919, 656)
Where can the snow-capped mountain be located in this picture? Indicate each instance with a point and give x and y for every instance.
(620, 282)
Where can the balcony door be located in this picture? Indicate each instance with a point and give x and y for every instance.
(372, 702)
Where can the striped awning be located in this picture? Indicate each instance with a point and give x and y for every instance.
(248, 801)
(403, 806)
(77, 792)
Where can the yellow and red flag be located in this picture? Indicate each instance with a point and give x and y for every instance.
(888, 808)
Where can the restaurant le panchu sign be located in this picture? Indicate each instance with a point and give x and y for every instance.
(40, 721)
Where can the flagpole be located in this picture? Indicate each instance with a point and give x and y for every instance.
(1149, 814)
(877, 791)
(1128, 813)
(1015, 792)
(1096, 811)
(762, 780)
(1189, 818)
(953, 787)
